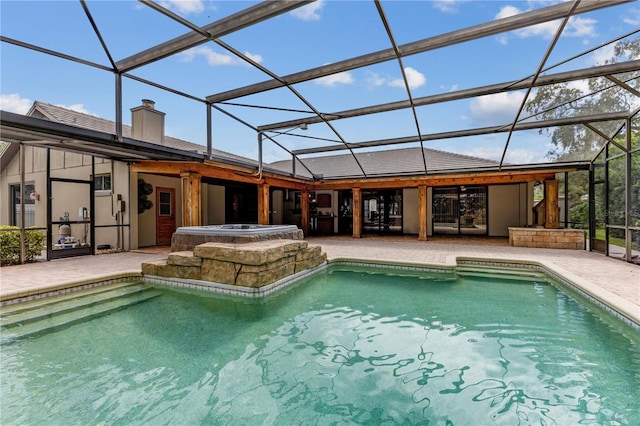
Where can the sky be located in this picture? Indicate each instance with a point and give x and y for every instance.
(323, 32)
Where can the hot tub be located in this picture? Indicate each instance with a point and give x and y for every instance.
(187, 237)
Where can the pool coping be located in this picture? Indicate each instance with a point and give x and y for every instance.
(29, 294)
(614, 304)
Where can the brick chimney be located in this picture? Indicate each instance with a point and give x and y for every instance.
(147, 124)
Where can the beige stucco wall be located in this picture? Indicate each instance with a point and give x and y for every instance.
(410, 211)
(507, 207)
(215, 203)
(276, 207)
(147, 219)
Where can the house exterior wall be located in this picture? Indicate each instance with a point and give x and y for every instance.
(507, 207)
(410, 211)
(277, 199)
(215, 205)
(147, 220)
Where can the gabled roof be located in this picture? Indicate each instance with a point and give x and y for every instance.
(405, 161)
(7, 151)
(63, 115)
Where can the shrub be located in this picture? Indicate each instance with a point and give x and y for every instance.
(579, 215)
(10, 244)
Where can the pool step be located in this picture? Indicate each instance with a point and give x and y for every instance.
(500, 272)
(29, 318)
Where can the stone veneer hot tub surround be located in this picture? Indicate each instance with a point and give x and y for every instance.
(561, 238)
(187, 237)
(254, 264)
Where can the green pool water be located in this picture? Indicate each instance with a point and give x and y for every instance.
(348, 346)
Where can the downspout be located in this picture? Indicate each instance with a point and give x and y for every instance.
(259, 174)
(23, 252)
(293, 165)
(130, 210)
(118, 106)
(209, 132)
(628, 201)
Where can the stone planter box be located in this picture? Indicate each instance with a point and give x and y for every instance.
(573, 239)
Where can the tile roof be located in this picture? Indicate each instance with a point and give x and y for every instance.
(404, 161)
(74, 118)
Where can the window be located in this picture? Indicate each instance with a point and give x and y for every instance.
(164, 206)
(29, 205)
(102, 182)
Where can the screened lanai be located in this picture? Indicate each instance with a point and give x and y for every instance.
(316, 90)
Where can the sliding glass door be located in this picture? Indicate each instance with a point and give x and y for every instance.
(382, 211)
(460, 210)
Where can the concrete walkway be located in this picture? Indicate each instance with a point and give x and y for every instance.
(615, 281)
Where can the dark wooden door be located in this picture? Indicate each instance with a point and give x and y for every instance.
(165, 215)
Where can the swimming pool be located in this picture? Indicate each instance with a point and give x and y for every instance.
(349, 345)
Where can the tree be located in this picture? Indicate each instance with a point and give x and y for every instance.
(567, 100)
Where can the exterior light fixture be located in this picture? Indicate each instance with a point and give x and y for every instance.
(34, 196)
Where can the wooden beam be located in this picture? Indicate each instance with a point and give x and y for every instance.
(488, 178)
(422, 213)
(304, 212)
(263, 204)
(218, 171)
(551, 214)
(357, 213)
(191, 199)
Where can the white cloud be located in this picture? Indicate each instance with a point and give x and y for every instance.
(374, 80)
(602, 55)
(14, 103)
(255, 57)
(576, 27)
(214, 58)
(414, 77)
(497, 109)
(447, 6)
(513, 156)
(453, 88)
(507, 11)
(487, 153)
(78, 108)
(632, 17)
(580, 27)
(310, 12)
(523, 156)
(334, 79)
(184, 6)
(581, 85)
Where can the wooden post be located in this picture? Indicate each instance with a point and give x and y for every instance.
(422, 213)
(551, 214)
(304, 212)
(263, 204)
(357, 213)
(191, 199)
